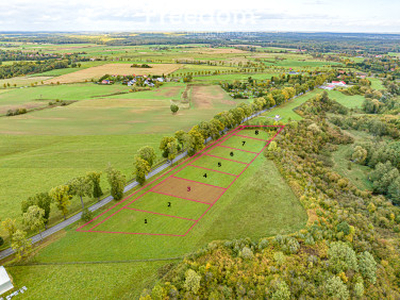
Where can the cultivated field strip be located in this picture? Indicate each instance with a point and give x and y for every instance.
(175, 202)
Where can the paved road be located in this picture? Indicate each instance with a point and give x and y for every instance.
(36, 238)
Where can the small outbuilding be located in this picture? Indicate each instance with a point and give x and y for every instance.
(5, 281)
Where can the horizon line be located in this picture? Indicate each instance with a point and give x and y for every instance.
(197, 31)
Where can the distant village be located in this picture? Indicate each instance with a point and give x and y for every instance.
(134, 80)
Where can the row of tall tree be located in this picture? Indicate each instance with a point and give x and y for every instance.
(36, 210)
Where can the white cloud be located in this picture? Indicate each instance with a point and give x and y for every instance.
(222, 15)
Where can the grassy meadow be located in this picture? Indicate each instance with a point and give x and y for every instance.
(376, 83)
(358, 174)
(40, 96)
(355, 101)
(123, 280)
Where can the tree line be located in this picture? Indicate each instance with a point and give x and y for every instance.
(25, 68)
(36, 209)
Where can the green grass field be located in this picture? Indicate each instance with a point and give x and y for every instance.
(127, 115)
(246, 144)
(230, 77)
(217, 164)
(302, 64)
(131, 221)
(348, 101)
(186, 69)
(358, 173)
(34, 97)
(236, 155)
(376, 83)
(205, 176)
(258, 133)
(178, 207)
(123, 280)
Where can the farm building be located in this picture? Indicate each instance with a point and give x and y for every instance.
(132, 82)
(148, 83)
(334, 84)
(5, 281)
(338, 83)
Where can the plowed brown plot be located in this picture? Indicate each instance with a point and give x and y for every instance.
(221, 51)
(189, 190)
(114, 69)
(206, 97)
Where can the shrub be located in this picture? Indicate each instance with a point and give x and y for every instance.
(22, 111)
(192, 281)
(246, 253)
(310, 240)
(367, 266)
(293, 245)
(336, 288)
(359, 289)
(280, 258)
(342, 258)
(263, 244)
(87, 215)
(157, 292)
(343, 227)
(174, 108)
(282, 292)
(1, 241)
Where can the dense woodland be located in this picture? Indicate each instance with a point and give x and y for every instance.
(25, 68)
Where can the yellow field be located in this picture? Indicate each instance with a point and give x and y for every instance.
(220, 51)
(114, 69)
(24, 80)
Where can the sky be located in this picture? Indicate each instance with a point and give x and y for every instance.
(204, 15)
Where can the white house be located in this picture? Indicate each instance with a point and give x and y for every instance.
(5, 281)
(149, 83)
(132, 82)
